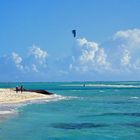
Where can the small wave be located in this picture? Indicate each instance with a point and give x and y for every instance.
(102, 85)
(56, 97)
(70, 85)
(101, 91)
(8, 112)
(117, 86)
(52, 98)
(13, 108)
(135, 97)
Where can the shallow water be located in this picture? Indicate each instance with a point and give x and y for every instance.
(98, 110)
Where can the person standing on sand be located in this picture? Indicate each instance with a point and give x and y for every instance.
(21, 88)
(16, 89)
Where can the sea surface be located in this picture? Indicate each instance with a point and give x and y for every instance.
(87, 111)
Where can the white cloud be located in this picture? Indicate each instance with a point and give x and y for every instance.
(37, 63)
(17, 60)
(34, 68)
(122, 56)
(82, 41)
(101, 58)
(89, 57)
(129, 45)
(131, 36)
(39, 54)
(31, 63)
(125, 60)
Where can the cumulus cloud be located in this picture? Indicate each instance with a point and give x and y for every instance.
(120, 56)
(90, 56)
(129, 46)
(125, 60)
(132, 36)
(35, 62)
(88, 50)
(17, 60)
(34, 68)
(39, 54)
(102, 58)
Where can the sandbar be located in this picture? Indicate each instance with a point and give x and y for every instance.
(9, 95)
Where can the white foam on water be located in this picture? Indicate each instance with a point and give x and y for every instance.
(111, 85)
(52, 98)
(70, 85)
(135, 97)
(103, 85)
(9, 110)
(101, 91)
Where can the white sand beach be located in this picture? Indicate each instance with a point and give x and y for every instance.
(8, 95)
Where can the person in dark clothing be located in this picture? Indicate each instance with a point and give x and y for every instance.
(16, 89)
(21, 88)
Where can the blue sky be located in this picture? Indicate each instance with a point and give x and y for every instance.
(36, 43)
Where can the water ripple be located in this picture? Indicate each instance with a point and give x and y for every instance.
(77, 125)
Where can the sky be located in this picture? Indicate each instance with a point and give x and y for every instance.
(37, 45)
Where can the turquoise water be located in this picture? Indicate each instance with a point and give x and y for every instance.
(96, 111)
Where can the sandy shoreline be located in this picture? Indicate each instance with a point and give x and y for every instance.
(10, 100)
(8, 96)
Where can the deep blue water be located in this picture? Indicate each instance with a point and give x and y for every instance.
(96, 111)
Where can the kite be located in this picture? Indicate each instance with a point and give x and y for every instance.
(74, 33)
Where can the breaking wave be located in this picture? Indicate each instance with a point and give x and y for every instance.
(103, 85)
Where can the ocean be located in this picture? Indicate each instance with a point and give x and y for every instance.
(86, 111)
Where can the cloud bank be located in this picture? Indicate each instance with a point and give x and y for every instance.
(118, 59)
(122, 59)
